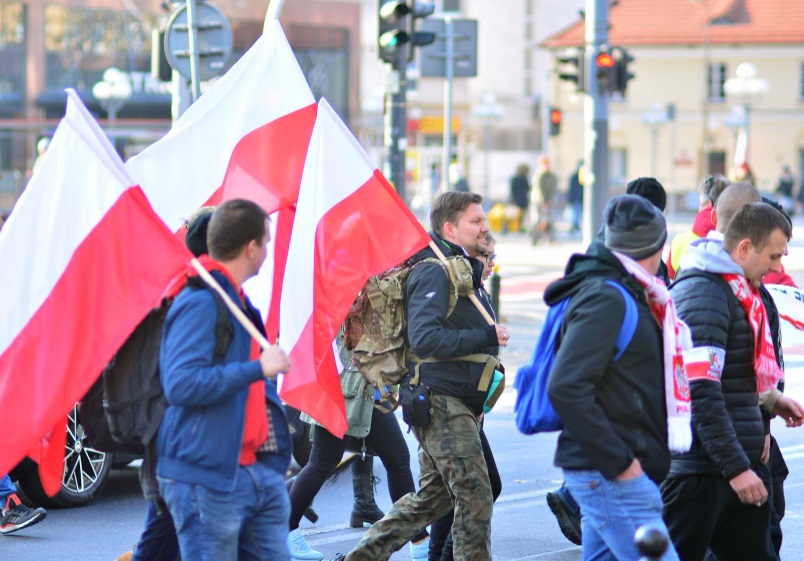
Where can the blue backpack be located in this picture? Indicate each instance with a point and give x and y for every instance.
(533, 410)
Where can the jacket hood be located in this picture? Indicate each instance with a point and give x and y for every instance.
(597, 261)
(708, 255)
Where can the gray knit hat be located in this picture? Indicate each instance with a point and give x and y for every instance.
(633, 226)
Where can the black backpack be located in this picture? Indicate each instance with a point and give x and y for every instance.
(123, 409)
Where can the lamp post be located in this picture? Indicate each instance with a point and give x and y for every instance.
(746, 88)
(655, 118)
(113, 92)
(487, 112)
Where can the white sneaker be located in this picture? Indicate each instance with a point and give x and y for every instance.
(420, 552)
(300, 550)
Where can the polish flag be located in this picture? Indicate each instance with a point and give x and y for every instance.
(245, 137)
(85, 258)
(350, 224)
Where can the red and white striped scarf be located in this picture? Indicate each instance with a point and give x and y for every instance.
(765, 366)
(676, 339)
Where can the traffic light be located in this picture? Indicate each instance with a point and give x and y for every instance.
(605, 68)
(572, 62)
(621, 75)
(393, 34)
(419, 10)
(555, 121)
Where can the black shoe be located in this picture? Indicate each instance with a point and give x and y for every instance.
(19, 516)
(568, 519)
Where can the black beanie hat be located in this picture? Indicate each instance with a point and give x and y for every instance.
(648, 188)
(633, 227)
(196, 238)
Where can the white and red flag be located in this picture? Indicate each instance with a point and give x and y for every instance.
(350, 224)
(84, 259)
(245, 137)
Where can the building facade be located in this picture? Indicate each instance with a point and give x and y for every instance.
(684, 54)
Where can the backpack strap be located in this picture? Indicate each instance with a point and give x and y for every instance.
(459, 274)
(628, 327)
(224, 330)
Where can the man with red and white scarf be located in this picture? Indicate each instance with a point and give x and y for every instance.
(716, 495)
(622, 416)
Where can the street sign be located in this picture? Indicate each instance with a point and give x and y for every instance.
(214, 41)
(433, 56)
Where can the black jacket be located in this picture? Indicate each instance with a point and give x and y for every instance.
(728, 430)
(612, 411)
(431, 334)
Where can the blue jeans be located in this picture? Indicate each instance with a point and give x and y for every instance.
(6, 488)
(249, 523)
(158, 541)
(611, 513)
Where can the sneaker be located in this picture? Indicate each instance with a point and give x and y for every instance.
(568, 520)
(421, 551)
(17, 515)
(300, 550)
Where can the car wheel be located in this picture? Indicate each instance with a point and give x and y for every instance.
(85, 471)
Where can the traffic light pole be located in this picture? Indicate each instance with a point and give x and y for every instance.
(596, 123)
(446, 157)
(397, 141)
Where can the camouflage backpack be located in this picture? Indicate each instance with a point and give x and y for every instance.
(375, 326)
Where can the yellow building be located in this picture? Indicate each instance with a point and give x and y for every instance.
(684, 52)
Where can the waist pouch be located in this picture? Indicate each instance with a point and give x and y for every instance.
(416, 408)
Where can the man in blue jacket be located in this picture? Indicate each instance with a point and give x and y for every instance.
(224, 444)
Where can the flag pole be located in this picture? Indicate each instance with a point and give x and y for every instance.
(472, 296)
(234, 308)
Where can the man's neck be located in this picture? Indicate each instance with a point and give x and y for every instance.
(237, 272)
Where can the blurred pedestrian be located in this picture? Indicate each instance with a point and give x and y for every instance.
(543, 204)
(575, 197)
(520, 191)
(709, 191)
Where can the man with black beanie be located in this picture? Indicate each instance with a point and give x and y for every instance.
(650, 189)
(619, 422)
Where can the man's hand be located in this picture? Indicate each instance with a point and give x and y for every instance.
(790, 410)
(273, 360)
(502, 335)
(633, 471)
(749, 488)
(765, 450)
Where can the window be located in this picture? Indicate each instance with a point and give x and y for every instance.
(715, 80)
(618, 174)
(12, 55)
(801, 83)
(452, 6)
(82, 42)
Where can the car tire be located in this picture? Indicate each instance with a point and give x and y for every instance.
(85, 472)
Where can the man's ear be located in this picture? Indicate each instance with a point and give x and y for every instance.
(713, 216)
(744, 247)
(448, 229)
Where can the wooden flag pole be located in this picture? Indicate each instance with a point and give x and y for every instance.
(472, 296)
(234, 308)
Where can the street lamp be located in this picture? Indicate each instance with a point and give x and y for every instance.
(746, 87)
(112, 93)
(655, 118)
(487, 112)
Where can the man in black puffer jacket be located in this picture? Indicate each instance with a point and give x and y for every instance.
(715, 495)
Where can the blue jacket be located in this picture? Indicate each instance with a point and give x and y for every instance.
(201, 433)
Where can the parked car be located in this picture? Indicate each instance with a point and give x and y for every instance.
(85, 471)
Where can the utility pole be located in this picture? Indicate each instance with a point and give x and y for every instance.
(398, 139)
(596, 121)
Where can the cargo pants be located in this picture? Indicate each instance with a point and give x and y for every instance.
(453, 474)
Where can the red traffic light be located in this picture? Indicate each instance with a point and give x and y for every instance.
(604, 60)
(555, 116)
